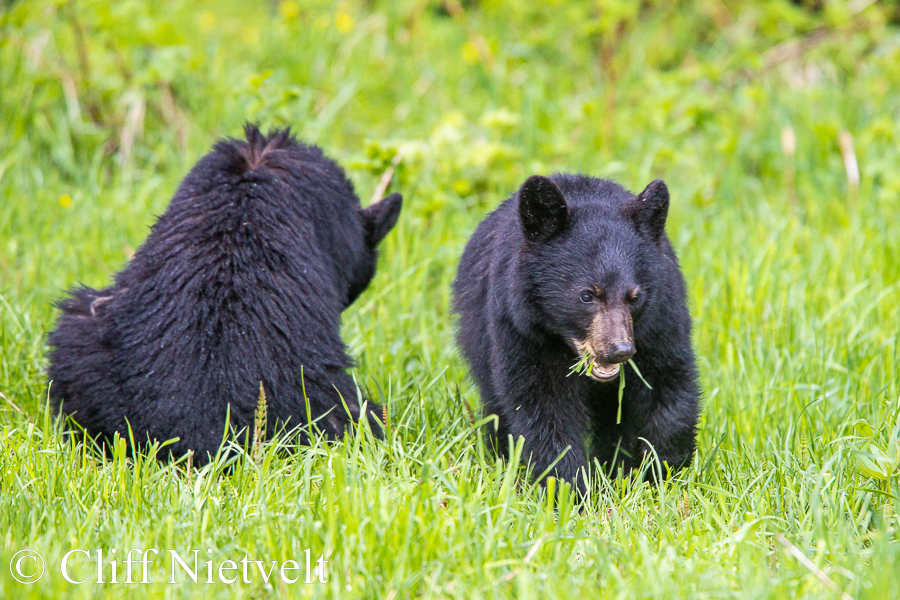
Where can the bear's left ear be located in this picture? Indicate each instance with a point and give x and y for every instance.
(650, 208)
(380, 218)
(542, 209)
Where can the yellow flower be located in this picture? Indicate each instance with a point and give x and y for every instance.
(289, 9)
(207, 20)
(462, 187)
(65, 200)
(344, 22)
(470, 53)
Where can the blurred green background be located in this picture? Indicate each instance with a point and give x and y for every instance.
(776, 125)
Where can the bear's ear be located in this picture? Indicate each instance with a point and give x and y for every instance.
(542, 209)
(380, 218)
(651, 207)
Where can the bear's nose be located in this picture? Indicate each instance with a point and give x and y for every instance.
(621, 351)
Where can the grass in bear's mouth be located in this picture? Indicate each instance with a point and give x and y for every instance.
(622, 387)
(585, 365)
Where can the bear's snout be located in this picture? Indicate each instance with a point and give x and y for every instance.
(620, 351)
(609, 342)
(611, 336)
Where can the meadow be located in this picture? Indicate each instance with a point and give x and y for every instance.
(776, 126)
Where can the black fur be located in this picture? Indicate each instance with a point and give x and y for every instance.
(518, 297)
(242, 280)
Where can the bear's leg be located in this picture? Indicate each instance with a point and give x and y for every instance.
(664, 428)
(535, 399)
(81, 380)
(672, 431)
(553, 426)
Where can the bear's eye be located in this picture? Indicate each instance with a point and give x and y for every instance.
(587, 297)
(633, 296)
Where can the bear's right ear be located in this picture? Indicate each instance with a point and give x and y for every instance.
(542, 209)
(380, 218)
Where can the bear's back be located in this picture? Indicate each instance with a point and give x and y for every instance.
(238, 283)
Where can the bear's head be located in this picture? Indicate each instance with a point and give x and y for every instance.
(590, 257)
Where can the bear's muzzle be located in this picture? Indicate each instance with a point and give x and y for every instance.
(610, 342)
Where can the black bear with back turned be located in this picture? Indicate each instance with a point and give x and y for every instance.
(573, 265)
(241, 281)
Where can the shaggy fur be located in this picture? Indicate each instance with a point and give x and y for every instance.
(573, 264)
(242, 280)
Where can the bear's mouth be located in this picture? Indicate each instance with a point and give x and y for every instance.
(598, 371)
(602, 372)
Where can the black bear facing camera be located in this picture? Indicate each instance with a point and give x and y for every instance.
(240, 283)
(574, 270)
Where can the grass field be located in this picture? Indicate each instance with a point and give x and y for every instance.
(777, 129)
